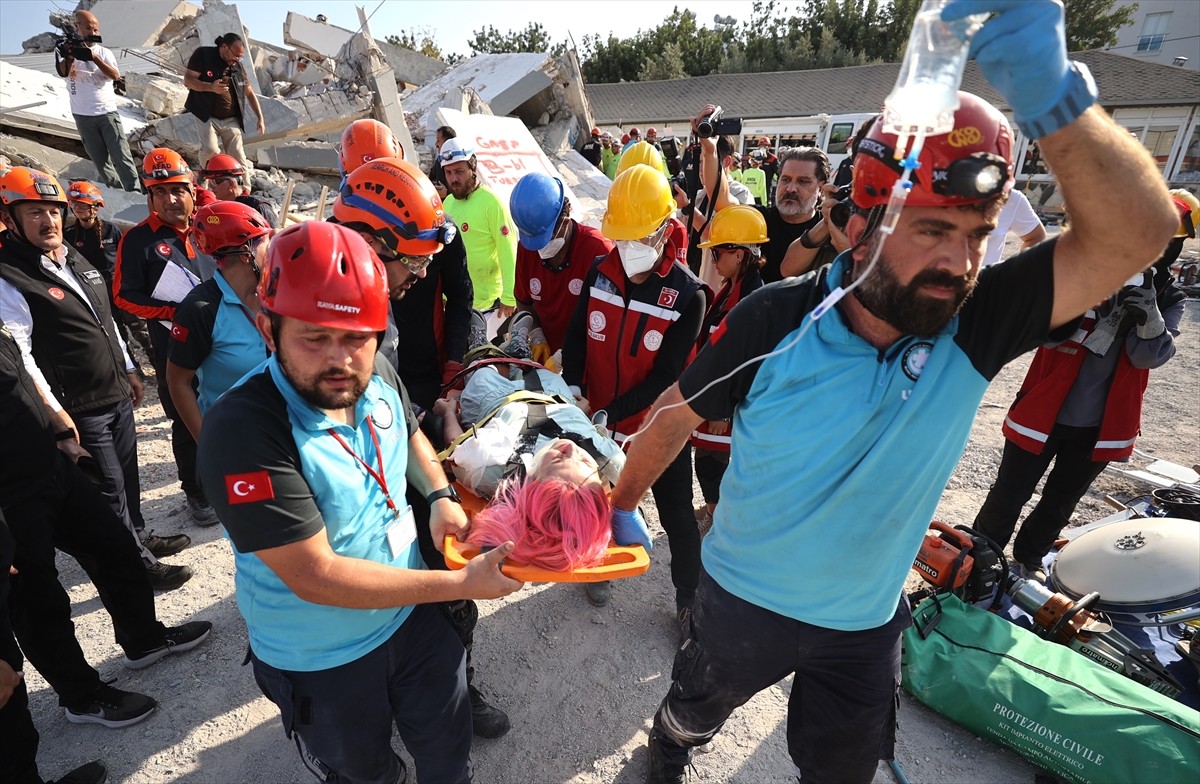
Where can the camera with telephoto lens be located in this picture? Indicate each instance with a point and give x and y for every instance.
(72, 44)
(716, 124)
(839, 214)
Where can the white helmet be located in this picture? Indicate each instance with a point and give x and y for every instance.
(453, 151)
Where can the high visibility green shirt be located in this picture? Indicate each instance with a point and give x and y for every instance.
(487, 231)
(756, 181)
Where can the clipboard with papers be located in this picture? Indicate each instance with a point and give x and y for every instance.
(173, 285)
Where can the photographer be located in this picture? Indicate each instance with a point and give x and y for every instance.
(705, 171)
(821, 242)
(90, 70)
(216, 83)
(696, 212)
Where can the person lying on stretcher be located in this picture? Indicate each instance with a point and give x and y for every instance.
(543, 464)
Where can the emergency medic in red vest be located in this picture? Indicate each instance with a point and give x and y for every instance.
(735, 237)
(629, 339)
(554, 254)
(161, 244)
(1081, 406)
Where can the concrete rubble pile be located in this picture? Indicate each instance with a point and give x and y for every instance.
(309, 90)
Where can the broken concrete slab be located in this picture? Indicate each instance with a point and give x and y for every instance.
(163, 97)
(285, 118)
(326, 40)
(141, 23)
(308, 157)
(64, 165)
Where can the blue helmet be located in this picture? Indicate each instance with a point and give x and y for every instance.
(535, 204)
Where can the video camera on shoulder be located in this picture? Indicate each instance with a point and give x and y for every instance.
(717, 124)
(72, 44)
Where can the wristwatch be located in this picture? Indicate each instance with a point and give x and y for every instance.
(446, 492)
(65, 435)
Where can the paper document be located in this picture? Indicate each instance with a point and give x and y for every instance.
(174, 283)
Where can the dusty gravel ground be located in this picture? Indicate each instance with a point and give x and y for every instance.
(580, 683)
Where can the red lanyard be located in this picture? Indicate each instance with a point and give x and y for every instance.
(377, 476)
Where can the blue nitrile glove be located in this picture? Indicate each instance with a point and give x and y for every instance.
(629, 528)
(1022, 51)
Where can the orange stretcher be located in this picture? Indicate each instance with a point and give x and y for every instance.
(618, 561)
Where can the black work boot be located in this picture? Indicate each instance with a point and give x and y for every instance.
(659, 770)
(487, 721)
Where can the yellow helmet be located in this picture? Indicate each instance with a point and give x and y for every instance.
(740, 224)
(1182, 197)
(639, 202)
(645, 154)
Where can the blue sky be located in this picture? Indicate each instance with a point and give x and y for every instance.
(450, 22)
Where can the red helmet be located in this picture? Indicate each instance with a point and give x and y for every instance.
(223, 165)
(595, 132)
(634, 132)
(84, 192)
(227, 226)
(651, 132)
(162, 166)
(764, 142)
(366, 140)
(966, 166)
(625, 139)
(325, 274)
(399, 204)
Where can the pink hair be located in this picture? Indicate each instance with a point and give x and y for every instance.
(556, 525)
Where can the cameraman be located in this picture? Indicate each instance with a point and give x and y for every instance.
(216, 83)
(90, 70)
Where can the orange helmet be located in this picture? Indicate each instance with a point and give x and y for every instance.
(226, 226)
(162, 166)
(21, 183)
(223, 165)
(83, 191)
(327, 275)
(399, 205)
(367, 140)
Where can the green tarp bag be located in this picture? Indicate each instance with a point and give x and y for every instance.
(1059, 710)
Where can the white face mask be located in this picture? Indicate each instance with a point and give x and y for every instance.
(637, 257)
(552, 248)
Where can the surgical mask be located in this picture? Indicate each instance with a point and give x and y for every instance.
(552, 248)
(637, 257)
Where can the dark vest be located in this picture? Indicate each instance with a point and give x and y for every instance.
(77, 352)
(27, 451)
(201, 104)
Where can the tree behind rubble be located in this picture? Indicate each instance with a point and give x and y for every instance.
(533, 38)
(824, 34)
(424, 44)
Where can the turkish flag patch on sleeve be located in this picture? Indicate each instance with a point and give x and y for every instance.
(179, 332)
(248, 488)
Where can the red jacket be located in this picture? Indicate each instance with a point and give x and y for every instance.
(625, 329)
(552, 294)
(1050, 378)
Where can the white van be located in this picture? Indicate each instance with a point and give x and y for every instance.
(831, 132)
